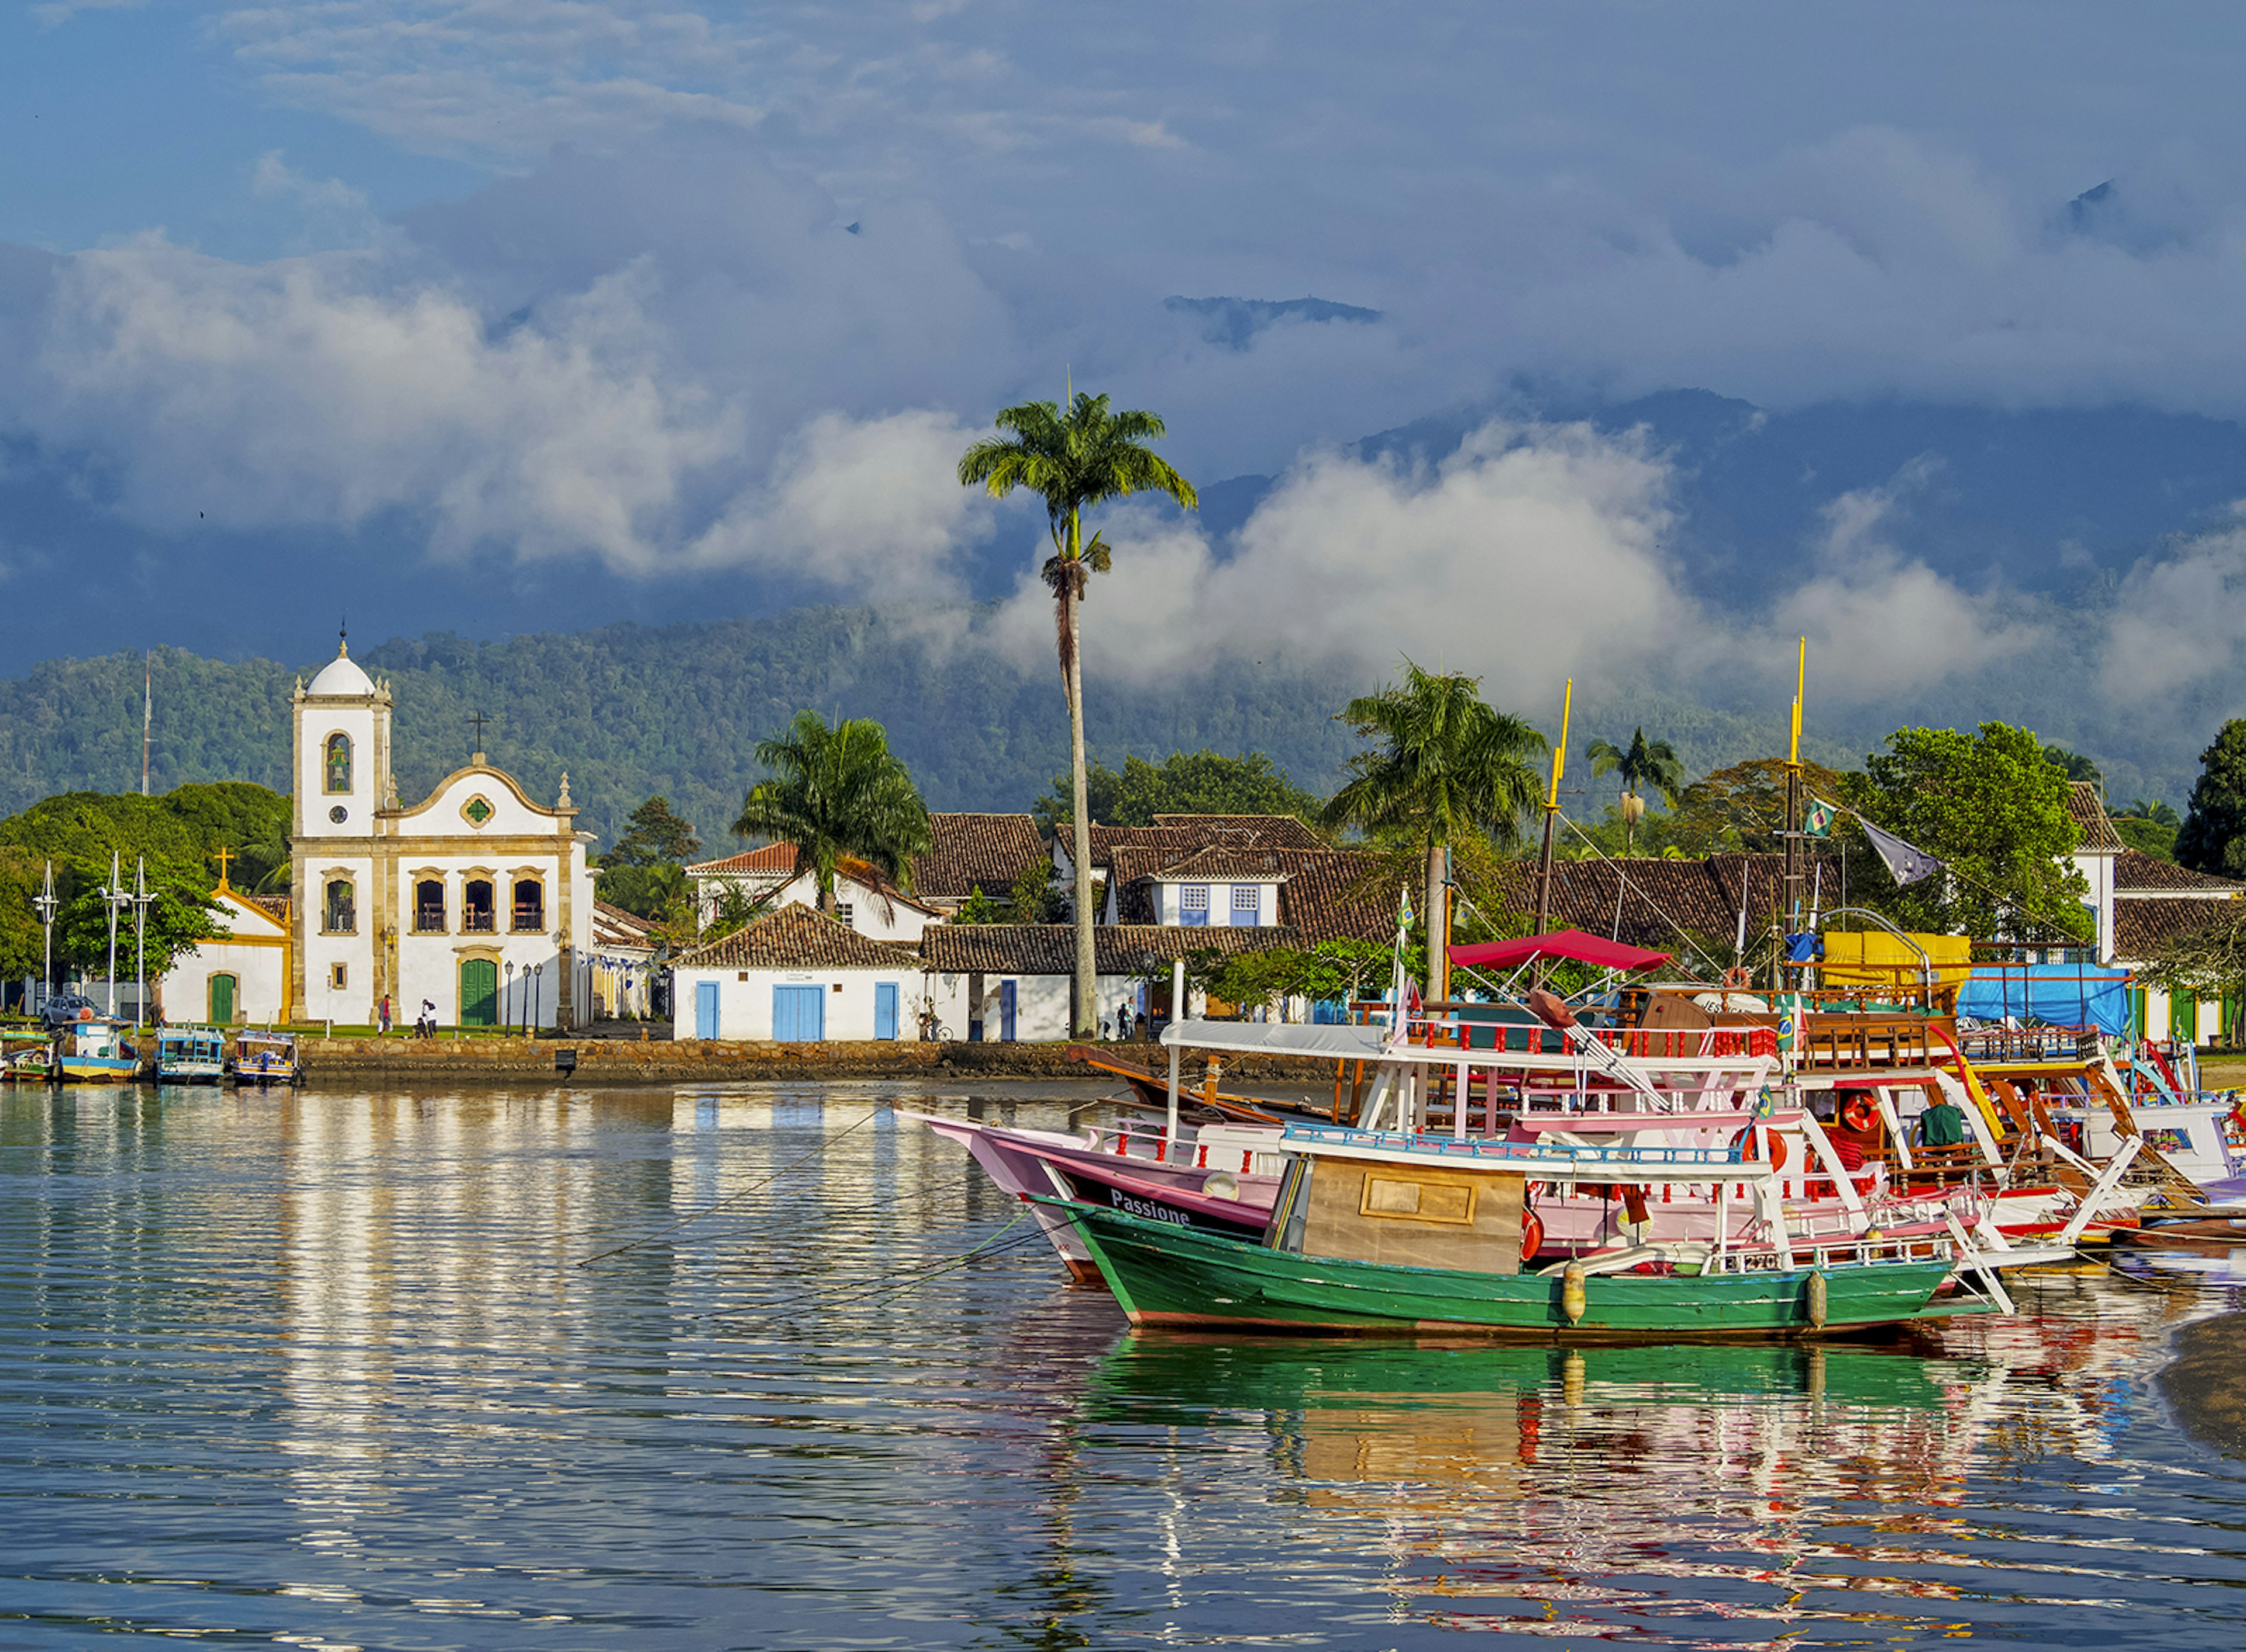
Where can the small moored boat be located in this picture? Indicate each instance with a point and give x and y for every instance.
(263, 1059)
(190, 1055)
(97, 1051)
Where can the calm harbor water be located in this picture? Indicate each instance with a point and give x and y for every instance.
(376, 1370)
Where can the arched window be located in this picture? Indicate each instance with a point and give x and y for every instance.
(339, 763)
(529, 904)
(428, 907)
(340, 913)
(477, 916)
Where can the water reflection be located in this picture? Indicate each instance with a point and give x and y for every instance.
(705, 1367)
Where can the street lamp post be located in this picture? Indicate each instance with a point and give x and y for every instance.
(536, 971)
(46, 906)
(114, 897)
(140, 900)
(507, 997)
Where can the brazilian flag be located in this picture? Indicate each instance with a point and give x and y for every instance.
(1817, 819)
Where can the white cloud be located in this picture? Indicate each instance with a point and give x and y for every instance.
(1529, 555)
(1881, 625)
(2177, 624)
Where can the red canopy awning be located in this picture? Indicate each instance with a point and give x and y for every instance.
(1563, 943)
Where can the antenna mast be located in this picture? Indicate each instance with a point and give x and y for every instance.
(147, 712)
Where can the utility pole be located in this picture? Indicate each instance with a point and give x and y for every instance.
(147, 712)
(113, 896)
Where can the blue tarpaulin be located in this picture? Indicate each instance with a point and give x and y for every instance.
(2059, 995)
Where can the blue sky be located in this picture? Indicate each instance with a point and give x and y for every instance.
(524, 313)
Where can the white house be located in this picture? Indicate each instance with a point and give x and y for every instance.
(881, 912)
(620, 970)
(477, 899)
(795, 975)
(238, 975)
(1004, 982)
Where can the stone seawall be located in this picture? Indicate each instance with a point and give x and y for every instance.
(621, 1061)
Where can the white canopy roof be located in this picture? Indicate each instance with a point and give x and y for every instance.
(1345, 1040)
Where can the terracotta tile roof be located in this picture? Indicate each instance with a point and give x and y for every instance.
(1660, 896)
(1223, 860)
(1185, 833)
(971, 851)
(2134, 870)
(797, 937)
(2141, 925)
(1050, 948)
(614, 926)
(1317, 902)
(2088, 814)
(774, 859)
(1264, 831)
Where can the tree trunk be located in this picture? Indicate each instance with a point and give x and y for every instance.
(1439, 924)
(1086, 993)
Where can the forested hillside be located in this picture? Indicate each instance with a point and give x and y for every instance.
(631, 711)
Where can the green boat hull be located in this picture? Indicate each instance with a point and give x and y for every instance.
(1164, 1274)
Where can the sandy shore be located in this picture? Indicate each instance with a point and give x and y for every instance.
(2203, 1385)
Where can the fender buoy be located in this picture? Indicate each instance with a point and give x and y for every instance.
(1857, 1114)
(1532, 1235)
(1552, 1010)
(85, 1014)
(1751, 1149)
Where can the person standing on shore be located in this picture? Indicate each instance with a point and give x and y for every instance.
(383, 1024)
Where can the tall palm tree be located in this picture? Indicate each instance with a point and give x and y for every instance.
(842, 798)
(1647, 763)
(1447, 765)
(1074, 460)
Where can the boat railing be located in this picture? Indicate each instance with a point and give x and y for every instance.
(1653, 1044)
(1994, 1045)
(1483, 1150)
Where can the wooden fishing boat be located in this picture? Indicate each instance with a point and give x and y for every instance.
(26, 1057)
(263, 1059)
(190, 1055)
(2213, 1232)
(1214, 1207)
(1163, 1274)
(1151, 1089)
(96, 1052)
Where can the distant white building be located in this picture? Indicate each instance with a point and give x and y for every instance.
(879, 911)
(795, 976)
(238, 974)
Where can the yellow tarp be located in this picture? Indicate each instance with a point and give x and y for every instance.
(1876, 960)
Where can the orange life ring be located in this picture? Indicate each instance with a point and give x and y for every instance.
(1532, 1234)
(1857, 1114)
(1737, 978)
(1751, 1150)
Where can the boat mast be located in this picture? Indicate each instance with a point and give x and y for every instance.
(1793, 841)
(1552, 811)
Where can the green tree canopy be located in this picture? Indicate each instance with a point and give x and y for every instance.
(2213, 836)
(654, 836)
(1182, 783)
(1443, 767)
(2210, 962)
(839, 794)
(1993, 809)
(1742, 807)
(2148, 825)
(1644, 765)
(2073, 765)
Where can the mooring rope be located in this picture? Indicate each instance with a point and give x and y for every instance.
(735, 1198)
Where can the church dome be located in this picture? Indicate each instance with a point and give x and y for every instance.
(341, 675)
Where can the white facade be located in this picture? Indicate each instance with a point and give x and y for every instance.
(1246, 903)
(877, 915)
(241, 978)
(1039, 1003)
(478, 901)
(752, 1004)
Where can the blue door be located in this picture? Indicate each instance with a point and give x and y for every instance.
(885, 1009)
(798, 1014)
(706, 1010)
(1006, 1012)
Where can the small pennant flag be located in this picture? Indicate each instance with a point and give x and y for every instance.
(1817, 820)
(1904, 863)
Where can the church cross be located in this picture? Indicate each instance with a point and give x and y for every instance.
(479, 719)
(225, 858)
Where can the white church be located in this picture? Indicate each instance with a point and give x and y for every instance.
(478, 899)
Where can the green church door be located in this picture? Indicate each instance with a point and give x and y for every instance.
(478, 993)
(221, 1001)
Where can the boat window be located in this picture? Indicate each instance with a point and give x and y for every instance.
(340, 917)
(339, 763)
(529, 904)
(428, 907)
(476, 911)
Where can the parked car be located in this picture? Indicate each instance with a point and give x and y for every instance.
(65, 1008)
